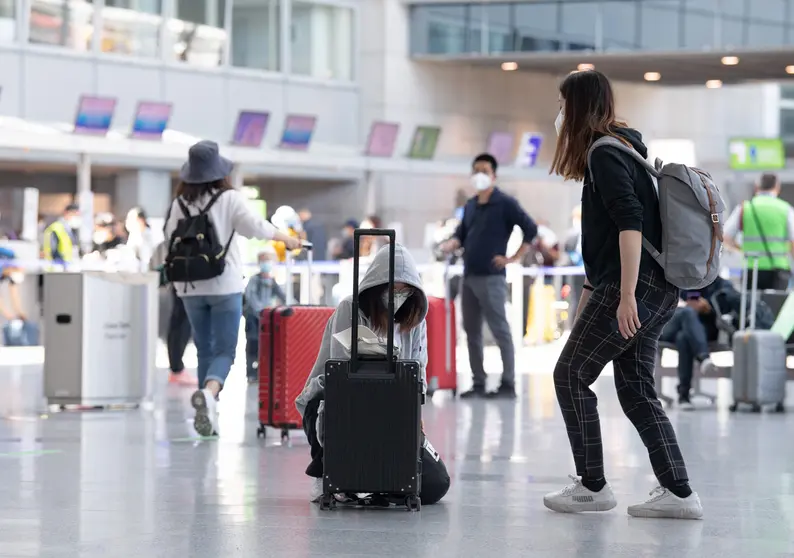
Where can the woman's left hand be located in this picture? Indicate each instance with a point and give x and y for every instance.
(628, 319)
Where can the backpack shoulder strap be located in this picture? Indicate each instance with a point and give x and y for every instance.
(212, 201)
(182, 206)
(610, 141)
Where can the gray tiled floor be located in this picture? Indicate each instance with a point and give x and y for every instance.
(131, 484)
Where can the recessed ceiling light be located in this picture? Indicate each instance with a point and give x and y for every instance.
(713, 84)
(730, 60)
(790, 69)
(585, 67)
(652, 76)
(509, 66)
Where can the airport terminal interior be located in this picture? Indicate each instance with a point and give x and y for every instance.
(339, 115)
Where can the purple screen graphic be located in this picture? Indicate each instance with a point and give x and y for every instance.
(500, 145)
(251, 128)
(382, 139)
(298, 131)
(94, 115)
(151, 120)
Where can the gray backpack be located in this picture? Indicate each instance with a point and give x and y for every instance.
(691, 210)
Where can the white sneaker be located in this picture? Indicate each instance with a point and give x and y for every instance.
(316, 490)
(575, 498)
(708, 368)
(664, 503)
(206, 420)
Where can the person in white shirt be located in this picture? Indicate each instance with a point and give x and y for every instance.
(140, 238)
(214, 306)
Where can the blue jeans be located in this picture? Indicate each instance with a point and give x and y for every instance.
(215, 320)
(689, 335)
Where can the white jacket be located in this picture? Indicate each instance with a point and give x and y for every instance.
(230, 214)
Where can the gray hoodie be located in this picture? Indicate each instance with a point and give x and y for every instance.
(412, 344)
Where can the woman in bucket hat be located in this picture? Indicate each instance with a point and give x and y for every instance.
(214, 306)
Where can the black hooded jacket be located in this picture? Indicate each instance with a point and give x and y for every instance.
(623, 198)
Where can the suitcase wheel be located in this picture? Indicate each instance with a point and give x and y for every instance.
(284, 435)
(454, 392)
(429, 393)
(780, 408)
(756, 408)
(413, 503)
(327, 502)
(733, 407)
(261, 432)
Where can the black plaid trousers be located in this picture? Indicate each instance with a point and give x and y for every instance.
(594, 341)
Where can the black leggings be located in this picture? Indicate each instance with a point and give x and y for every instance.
(435, 478)
(179, 333)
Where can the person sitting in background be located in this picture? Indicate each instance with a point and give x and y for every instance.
(694, 326)
(344, 250)
(259, 294)
(410, 309)
(60, 238)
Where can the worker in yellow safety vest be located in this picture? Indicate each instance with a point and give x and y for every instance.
(286, 220)
(767, 226)
(60, 238)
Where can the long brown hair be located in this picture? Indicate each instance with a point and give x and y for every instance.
(589, 113)
(192, 192)
(408, 316)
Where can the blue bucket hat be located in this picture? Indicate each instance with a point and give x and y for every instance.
(205, 164)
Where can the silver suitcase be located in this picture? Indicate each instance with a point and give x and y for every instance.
(759, 358)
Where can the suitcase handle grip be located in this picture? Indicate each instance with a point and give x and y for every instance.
(357, 234)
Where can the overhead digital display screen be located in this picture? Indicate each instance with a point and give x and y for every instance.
(94, 115)
(298, 132)
(250, 129)
(151, 120)
(382, 139)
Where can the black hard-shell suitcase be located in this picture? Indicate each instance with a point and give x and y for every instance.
(373, 406)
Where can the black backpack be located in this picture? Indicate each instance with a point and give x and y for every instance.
(194, 250)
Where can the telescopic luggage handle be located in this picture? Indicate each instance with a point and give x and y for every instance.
(357, 234)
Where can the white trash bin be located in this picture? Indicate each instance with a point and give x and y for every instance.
(101, 340)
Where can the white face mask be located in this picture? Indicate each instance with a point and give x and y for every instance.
(558, 121)
(16, 277)
(399, 299)
(481, 181)
(74, 222)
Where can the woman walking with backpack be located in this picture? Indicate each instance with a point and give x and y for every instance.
(625, 303)
(207, 270)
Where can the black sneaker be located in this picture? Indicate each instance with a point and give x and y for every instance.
(475, 392)
(685, 404)
(504, 392)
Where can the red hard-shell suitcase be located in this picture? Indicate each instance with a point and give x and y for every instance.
(442, 370)
(289, 340)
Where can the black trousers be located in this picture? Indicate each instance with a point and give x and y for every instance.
(595, 341)
(435, 477)
(179, 333)
(770, 279)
